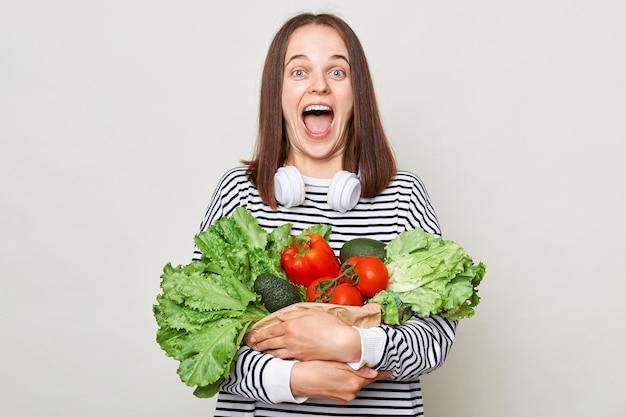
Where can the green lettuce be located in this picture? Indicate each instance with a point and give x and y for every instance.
(428, 275)
(207, 306)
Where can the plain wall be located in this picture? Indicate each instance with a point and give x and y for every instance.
(117, 119)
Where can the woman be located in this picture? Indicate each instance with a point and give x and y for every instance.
(319, 127)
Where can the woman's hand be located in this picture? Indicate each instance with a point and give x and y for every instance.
(331, 380)
(308, 335)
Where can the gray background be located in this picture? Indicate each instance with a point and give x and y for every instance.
(117, 118)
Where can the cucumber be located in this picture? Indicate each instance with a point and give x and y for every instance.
(362, 246)
(276, 292)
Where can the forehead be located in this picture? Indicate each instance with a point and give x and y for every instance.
(315, 41)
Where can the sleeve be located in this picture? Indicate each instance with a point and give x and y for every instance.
(417, 347)
(261, 377)
(256, 376)
(225, 199)
(422, 344)
(420, 212)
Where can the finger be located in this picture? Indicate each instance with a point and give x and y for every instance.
(366, 372)
(369, 373)
(293, 314)
(266, 345)
(384, 374)
(279, 353)
(268, 333)
(301, 313)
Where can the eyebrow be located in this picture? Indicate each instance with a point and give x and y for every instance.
(304, 57)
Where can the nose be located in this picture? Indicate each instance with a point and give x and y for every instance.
(319, 84)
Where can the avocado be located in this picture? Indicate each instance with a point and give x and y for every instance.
(276, 292)
(362, 246)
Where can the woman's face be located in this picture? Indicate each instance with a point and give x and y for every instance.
(317, 99)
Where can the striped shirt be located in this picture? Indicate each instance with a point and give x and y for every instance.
(410, 350)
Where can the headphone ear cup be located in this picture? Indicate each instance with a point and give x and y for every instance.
(344, 191)
(288, 186)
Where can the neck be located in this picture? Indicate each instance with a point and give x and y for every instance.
(318, 169)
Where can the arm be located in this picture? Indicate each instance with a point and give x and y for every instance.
(262, 377)
(417, 347)
(421, 344)
(322, 345)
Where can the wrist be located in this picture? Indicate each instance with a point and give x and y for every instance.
(349, 345)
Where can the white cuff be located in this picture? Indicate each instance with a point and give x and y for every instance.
(373, 341)
(276, 378)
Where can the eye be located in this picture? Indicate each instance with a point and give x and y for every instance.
(338, 73)
(298, 73)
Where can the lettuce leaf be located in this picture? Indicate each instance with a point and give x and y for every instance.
(206, 307)
(429, 275)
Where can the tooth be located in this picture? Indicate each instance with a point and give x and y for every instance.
(317, 107)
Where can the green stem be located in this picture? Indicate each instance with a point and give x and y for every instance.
(325, 286)
(303, 244)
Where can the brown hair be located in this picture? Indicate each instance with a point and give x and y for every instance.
(367, 149)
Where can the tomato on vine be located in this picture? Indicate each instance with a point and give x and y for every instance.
(314, 290)
(369, 272)
(334, 291)
(347, 295)
(360, 277)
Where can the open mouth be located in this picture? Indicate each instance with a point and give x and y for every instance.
(318, 119)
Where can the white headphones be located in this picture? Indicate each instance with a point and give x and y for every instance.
(343, 194)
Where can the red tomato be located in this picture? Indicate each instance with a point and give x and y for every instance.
(347, 295)
(340, 293)
(313, 293)
(372, 274)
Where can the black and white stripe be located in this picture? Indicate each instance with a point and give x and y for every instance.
(413, 349)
